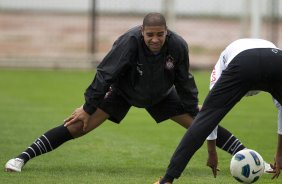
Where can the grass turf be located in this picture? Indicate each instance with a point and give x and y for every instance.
(134, 152)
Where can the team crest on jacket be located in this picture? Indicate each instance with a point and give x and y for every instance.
(169, 62)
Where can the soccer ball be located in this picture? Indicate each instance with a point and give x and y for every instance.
(247, 166)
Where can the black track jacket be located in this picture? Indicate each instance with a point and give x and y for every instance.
(141, 77)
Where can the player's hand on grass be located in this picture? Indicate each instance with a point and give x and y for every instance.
(78, 115)
(272, 170)
(212, 162)
(277, 167)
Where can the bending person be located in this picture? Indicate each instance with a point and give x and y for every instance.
(249, 65)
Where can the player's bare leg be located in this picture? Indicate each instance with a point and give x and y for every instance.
(184, 120)
(95, 120)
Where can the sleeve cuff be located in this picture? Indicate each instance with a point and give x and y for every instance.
(90, 109)
(213, 135)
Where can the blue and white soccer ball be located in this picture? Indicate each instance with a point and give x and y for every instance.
(247, 166)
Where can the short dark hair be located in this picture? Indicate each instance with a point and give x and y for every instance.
(154, 19)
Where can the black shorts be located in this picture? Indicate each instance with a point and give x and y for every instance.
(117, 107)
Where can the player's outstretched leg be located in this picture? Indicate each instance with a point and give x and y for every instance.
(53, 139)
(45, 143)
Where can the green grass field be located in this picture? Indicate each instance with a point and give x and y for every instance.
(135, 152)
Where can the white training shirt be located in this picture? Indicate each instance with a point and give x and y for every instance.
(279, 107)
(233, 50)
(230, 52)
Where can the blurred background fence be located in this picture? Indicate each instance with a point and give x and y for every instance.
(78, 33)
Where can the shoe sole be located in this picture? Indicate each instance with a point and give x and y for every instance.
(10, 170)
